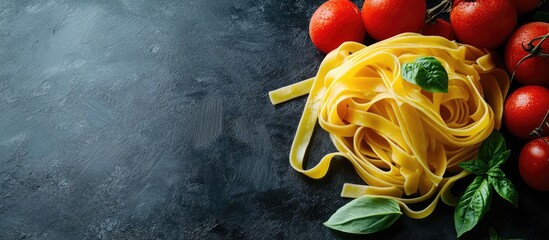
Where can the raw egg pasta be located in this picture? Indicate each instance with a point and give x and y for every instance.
(404, 142)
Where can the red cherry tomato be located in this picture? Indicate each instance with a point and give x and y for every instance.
(386, 18)
(525, 109)
(336, 22)
(534, 70)
(524, 6)
(534, 164)
(483, 23)
(440, 27)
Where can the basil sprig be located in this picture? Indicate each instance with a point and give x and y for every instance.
(426, 72)
(365, 215)
(476, 199)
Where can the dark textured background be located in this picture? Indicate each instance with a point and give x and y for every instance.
(138, 119)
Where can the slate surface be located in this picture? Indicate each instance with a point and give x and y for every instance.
(150, 120)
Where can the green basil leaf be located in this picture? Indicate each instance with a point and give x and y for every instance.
(492, 146)
(496, 173)
(494, 235)
(541, 16)
(499, 159)
(365, 215)
(505, 188)
(477, 166)
(472, 206)
(428, 73)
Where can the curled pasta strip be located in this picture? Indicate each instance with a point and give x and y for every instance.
(404, 142)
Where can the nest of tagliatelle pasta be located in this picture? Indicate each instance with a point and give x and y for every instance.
(403, 141)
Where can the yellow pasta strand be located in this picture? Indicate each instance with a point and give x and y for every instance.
(404, 142)
(291, 91)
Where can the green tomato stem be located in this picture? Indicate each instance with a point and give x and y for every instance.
(432, 13)
(533, 51)
(537, 131)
